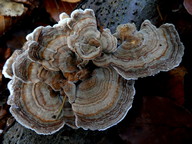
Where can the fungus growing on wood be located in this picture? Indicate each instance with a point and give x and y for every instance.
(102, 100)
(85, 39)
(145, 52)
(36, 106)
(74, 74)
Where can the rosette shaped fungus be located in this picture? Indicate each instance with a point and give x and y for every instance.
(85, 39)
(36, 106)
(48, 46)
(145, 52)
(31, 72)
(74, 74)
(102, 100)
(36, 95)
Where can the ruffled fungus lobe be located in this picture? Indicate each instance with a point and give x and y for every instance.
(74, 74)
(102, 100)
(145, 52)
(85, 39)
(36, 105)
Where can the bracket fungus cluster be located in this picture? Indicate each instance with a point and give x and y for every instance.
(74, 74)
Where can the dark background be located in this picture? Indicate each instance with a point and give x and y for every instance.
(161, 111)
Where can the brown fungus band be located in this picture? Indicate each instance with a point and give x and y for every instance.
(74, 74)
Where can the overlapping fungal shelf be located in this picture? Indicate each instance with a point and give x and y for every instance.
(145, 52)
(74, 74)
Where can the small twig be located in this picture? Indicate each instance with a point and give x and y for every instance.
(159, 12)
(61, 107)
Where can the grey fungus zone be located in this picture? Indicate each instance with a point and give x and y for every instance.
(74, 74)
(102, 100)
(145, 52)
(35, 105)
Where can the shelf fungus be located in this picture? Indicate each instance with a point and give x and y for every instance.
(75, 74)
(145, 52)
